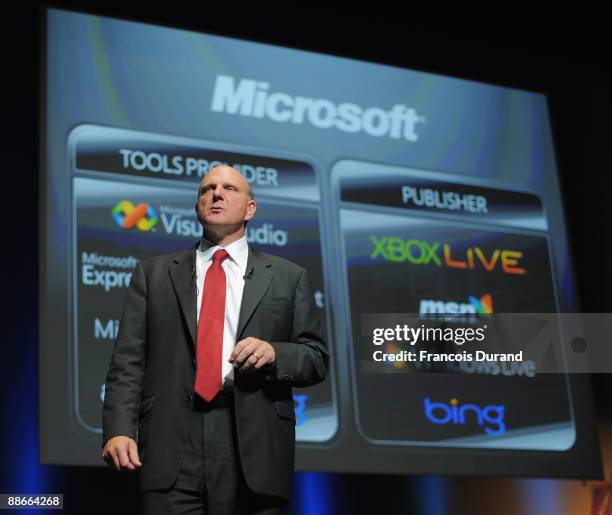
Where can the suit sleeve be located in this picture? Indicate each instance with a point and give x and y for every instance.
(125, 375)
(304, 360)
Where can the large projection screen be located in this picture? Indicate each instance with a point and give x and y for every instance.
(342, 155)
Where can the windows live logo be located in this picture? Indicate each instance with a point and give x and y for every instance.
(491, 416)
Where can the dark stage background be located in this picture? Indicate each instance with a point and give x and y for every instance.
(566, 60)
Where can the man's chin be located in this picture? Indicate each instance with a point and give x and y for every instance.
(221, 225)
(216, 219)
(216, 222)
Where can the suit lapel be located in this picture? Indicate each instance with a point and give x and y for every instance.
(258, 277)
(183, 280)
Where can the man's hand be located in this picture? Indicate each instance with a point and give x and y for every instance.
(121, 452)
(251, 354)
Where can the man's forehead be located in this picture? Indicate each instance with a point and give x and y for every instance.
(227, 172)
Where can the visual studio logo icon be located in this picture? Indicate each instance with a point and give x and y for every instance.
(491, 417)
(128, 216)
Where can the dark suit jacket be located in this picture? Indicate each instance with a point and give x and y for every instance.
(149, 386)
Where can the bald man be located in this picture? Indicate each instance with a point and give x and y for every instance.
(210, 343)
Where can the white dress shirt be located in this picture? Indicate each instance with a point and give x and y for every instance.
(235, 269)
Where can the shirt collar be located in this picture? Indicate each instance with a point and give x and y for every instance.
(238, 250)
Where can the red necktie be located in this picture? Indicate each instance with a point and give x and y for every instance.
(210, 329)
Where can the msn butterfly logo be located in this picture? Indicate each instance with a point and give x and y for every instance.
(128, 216)
(482, 305)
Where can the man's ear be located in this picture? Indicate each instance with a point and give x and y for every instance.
(251, 208)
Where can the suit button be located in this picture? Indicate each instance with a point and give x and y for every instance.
(188, 397)
(193, 363)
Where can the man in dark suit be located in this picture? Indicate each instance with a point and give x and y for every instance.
(210, 343)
